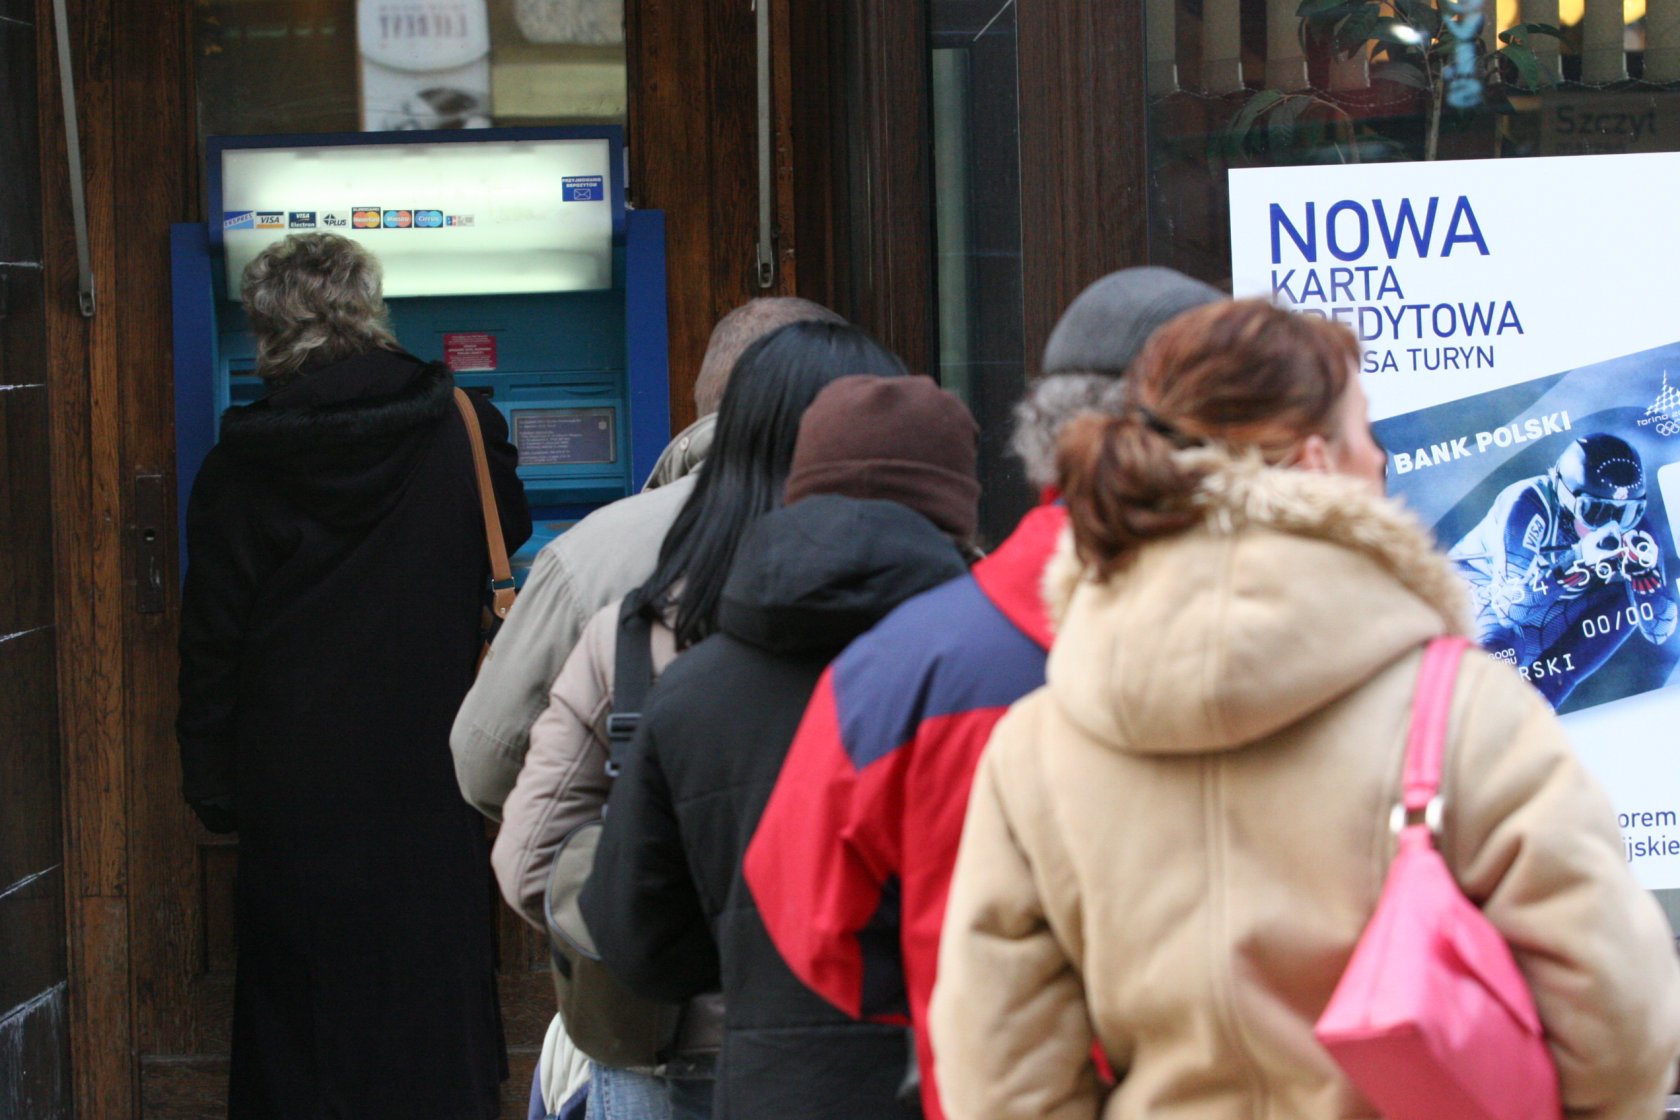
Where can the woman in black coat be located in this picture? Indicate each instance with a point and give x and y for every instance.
(881, 492)
(330, 627)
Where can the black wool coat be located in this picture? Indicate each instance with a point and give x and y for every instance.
(330, 627)
(667, 903)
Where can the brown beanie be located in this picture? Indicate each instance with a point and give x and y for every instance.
(900, 439)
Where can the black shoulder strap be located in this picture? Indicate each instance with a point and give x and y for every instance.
(632, 678)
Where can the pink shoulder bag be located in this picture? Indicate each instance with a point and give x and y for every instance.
(1432, 1019)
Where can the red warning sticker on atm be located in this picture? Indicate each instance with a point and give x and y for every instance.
(469, 351)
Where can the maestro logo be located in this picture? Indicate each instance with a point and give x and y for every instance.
(365, 217)
(399, 219)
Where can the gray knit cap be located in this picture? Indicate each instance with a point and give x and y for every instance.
(1103, 330)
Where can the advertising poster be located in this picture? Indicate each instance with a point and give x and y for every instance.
(425, 64)
(1522, 358)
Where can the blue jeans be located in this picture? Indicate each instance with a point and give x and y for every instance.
(622, 1094)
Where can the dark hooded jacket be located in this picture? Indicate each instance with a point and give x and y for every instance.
(330, 626)
(667, 903)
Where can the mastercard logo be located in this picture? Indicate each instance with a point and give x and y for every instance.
(365, 219)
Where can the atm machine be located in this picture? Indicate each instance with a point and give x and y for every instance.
(507, 253)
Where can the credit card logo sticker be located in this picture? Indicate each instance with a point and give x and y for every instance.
(583, 188)
(240, 219)
(398, 219)
(365, 217)
(335, 220)
(271, 219)
(459, 220)
(428, 219)
(301, 219)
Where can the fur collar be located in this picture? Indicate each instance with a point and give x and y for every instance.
(396, 401)
(1241, 492)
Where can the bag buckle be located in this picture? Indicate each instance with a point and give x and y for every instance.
(621, 727)
(1432, 816)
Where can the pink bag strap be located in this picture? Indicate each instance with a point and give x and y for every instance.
(1426, 741)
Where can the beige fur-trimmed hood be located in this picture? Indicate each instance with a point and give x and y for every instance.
(1296, 588)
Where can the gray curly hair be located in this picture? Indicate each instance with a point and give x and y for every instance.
(314, 298)
(1050, 403)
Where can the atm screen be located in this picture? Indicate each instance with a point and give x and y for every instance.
(485, 217)
(556, 437)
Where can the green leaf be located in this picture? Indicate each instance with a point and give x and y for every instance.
(1522, 31)
(1402, 73)
(1527, 66)
(1251, 110)
(1281, 122)
(1421, 14)
(1356, 30)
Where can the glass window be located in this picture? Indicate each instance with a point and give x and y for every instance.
(1270, 83)
(977, 231)
(287, 66)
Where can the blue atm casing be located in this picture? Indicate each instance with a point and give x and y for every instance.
(581, 376)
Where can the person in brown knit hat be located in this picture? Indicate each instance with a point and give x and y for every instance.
(880, 501)
(898, 439)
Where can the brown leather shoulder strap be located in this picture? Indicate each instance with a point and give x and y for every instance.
(501, 574)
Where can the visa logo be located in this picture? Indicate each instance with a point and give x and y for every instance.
(301, 219)
(271, 219)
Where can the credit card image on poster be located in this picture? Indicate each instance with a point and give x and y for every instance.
(1546, 495)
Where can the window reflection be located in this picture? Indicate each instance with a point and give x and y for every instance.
(975, 118)
(1266, 83)
(284, 66)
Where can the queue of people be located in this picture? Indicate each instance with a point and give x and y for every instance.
(829, 811)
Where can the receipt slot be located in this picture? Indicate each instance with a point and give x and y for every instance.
(507, 253)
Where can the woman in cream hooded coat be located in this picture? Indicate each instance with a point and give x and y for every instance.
(1172, 848)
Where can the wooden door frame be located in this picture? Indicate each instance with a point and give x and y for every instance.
(111, 380)
(1082, 65)
(1083, 211)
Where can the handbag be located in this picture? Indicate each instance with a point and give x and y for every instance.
(1432, 1019)
(502, 592)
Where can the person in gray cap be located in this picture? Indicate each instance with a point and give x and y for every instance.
(1097, 338)
(889, 744)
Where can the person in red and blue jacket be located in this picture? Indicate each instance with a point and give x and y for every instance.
(852, 860)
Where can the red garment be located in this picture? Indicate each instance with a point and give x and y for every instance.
(852, 859)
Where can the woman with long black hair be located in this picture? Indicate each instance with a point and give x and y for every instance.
(564, 781)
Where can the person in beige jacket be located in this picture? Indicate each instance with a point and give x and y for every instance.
(1172, 849)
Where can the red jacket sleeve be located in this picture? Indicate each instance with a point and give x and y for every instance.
(822, 867)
